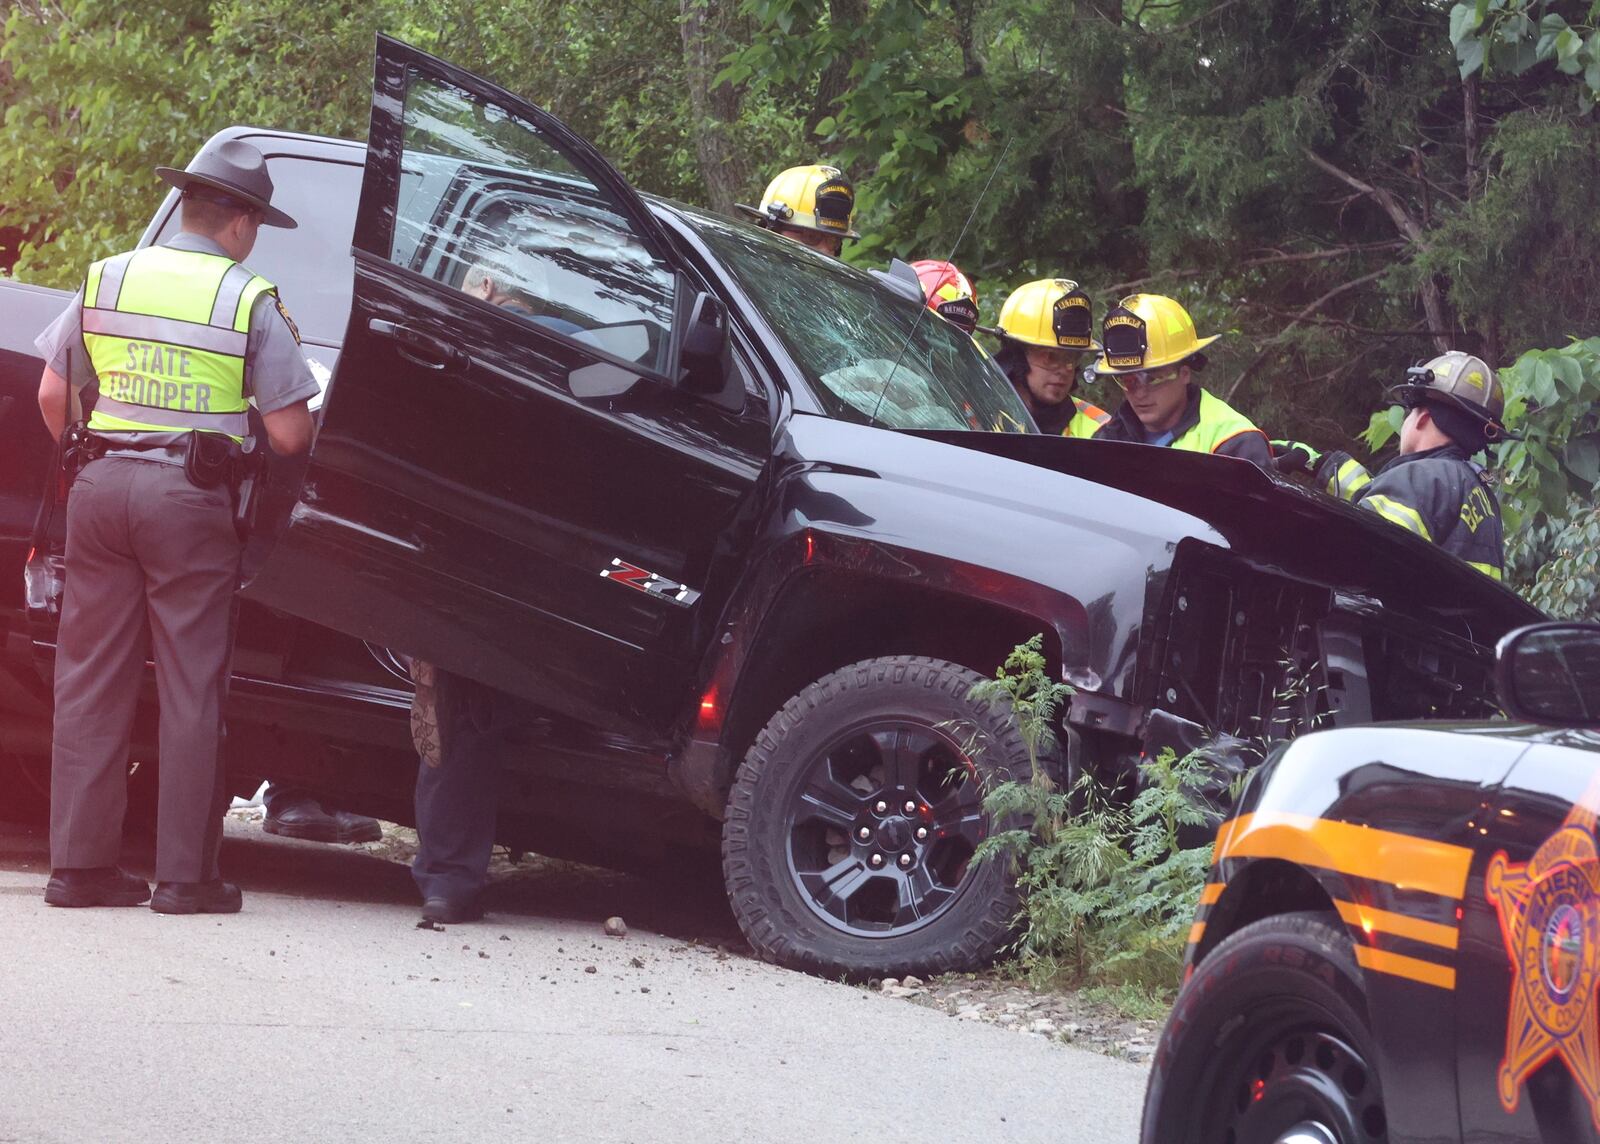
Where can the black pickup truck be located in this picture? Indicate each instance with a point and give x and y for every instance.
(733, 522)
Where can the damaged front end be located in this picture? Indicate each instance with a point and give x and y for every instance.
(1242, 657)
(1287, 611)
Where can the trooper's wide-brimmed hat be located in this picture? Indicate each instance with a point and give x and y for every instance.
(236, 169)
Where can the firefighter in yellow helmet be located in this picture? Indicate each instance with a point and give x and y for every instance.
(1150, 350)
(1046, 328)
(814, 205)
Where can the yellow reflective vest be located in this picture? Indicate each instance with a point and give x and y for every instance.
(1208, 425)
(1086, 420)
(167, 332)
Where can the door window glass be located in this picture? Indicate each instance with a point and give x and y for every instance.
(489, 206)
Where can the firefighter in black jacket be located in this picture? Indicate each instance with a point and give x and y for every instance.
(1454, 404)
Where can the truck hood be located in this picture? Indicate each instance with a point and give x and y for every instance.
(1280, 527)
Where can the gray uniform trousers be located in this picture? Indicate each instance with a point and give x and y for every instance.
(152, 564)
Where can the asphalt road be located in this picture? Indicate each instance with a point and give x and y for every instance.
(322, 1013)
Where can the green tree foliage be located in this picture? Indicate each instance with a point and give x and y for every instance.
(1109, 887)
(97, 93)
(1313, 176)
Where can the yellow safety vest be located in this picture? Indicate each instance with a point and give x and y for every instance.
(167, 332)
(1086, 421)
(1219, 423)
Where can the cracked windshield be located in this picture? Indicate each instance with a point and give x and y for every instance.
(848, 333)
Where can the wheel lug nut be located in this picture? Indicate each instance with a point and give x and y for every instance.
(905, 861)
(875, 861)
(910, 807)
(881, 807)
(864, 833)
(922, 834)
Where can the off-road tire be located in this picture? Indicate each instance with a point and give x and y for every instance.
(1273, 1025)
(777, 918)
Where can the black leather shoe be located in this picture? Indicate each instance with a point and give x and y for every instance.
(95, 886)
(446, 911)
(305, 818)
(213, 897)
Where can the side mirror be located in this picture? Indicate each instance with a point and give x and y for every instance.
(704, 356)
(1550, 673)
(901, 279)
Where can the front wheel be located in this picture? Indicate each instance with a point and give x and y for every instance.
(1269, 1044)
(853, 820)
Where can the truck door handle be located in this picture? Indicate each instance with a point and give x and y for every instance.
(415, 346)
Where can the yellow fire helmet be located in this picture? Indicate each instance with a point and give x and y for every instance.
(817, 197)
(1052, 312)
(1148, 331)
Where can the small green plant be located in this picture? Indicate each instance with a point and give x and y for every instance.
(1109, 887)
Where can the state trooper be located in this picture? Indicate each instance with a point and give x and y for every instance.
(179, 337)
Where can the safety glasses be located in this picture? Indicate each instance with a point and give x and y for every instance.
(1146, 378)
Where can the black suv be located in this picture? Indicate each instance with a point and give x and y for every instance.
(741, 526)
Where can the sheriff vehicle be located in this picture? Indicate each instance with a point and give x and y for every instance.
(1400, 938)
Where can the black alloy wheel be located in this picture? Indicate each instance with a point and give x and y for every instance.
(887, 818)
(1269, 1044)
(853, 820)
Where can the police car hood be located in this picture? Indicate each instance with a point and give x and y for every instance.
(1281, 527)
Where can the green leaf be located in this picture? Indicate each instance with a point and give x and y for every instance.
(1568, 372)
(827, 125)
(1542, 383)
(1469, 55)
(1464, 20)
(1582, 457)
(1568, 45)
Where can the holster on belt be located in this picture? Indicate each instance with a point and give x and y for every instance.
(208, 459)
(78, 448)
(211, 459)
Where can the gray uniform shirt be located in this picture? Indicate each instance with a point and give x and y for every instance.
(275, 371)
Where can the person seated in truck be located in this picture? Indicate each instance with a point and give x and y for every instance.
(1150, 350)
(1046, 329)
(813, 205)
(492, 280)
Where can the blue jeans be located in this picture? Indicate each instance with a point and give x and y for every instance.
(456, 801)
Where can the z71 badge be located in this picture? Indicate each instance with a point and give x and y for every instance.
(621, 572)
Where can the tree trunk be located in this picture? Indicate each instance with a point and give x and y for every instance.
(706, 28)
(1469, 122)
(835, 78)
(1431, 293)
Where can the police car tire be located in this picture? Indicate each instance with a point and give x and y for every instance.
(777, 921)
(1299, 961)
